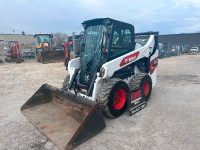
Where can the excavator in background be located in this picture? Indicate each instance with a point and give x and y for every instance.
(67, 52)
(102, 80)
(13, 54)
(46, 50)
(68, 47)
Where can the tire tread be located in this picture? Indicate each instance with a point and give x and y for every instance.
(136, 80)
(66, 83)
(104, 95)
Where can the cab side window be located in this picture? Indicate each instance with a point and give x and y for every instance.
(116, 40)
(127, 38)
(121, 41)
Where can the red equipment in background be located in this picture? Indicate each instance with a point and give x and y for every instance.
(15, 51)
(67, 51)
(68, 47)
(13, 55)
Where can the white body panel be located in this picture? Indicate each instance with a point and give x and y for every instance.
(114, 65)
(154, 74)
(72, 65)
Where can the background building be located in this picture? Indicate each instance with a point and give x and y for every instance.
(169, 44)
(25, 41)
(190, 39)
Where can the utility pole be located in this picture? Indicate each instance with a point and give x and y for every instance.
(74, 44)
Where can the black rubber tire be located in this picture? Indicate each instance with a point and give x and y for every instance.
(106, 96)
(38, 57)
(66, 83)
(137, 82)
(147, 78)
(7, 59)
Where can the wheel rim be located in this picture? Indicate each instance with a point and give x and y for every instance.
(146, 88)
(119, 99)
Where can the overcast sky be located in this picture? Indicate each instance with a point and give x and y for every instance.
(50, 16)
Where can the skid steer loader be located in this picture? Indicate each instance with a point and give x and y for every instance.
(108, 68)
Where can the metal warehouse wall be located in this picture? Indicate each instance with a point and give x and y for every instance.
(18, 37)
(191, 39)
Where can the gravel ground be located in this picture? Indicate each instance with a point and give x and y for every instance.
(170, 120)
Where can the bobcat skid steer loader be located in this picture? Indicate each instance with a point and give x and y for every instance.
(108, 68)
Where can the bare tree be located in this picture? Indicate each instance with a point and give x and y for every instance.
(60, 37)
(23, 33)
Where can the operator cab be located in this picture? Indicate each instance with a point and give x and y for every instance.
(104, 40)
(43, 38)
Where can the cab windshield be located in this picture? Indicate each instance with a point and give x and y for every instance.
(94, 41)
(44, 39)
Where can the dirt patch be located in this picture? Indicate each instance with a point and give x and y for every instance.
(170, 120)
(189, 79)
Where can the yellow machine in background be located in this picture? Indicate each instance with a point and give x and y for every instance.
(46, 50)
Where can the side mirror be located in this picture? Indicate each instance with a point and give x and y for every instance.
(82, 47)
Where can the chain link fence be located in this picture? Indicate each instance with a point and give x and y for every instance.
(169, 49)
